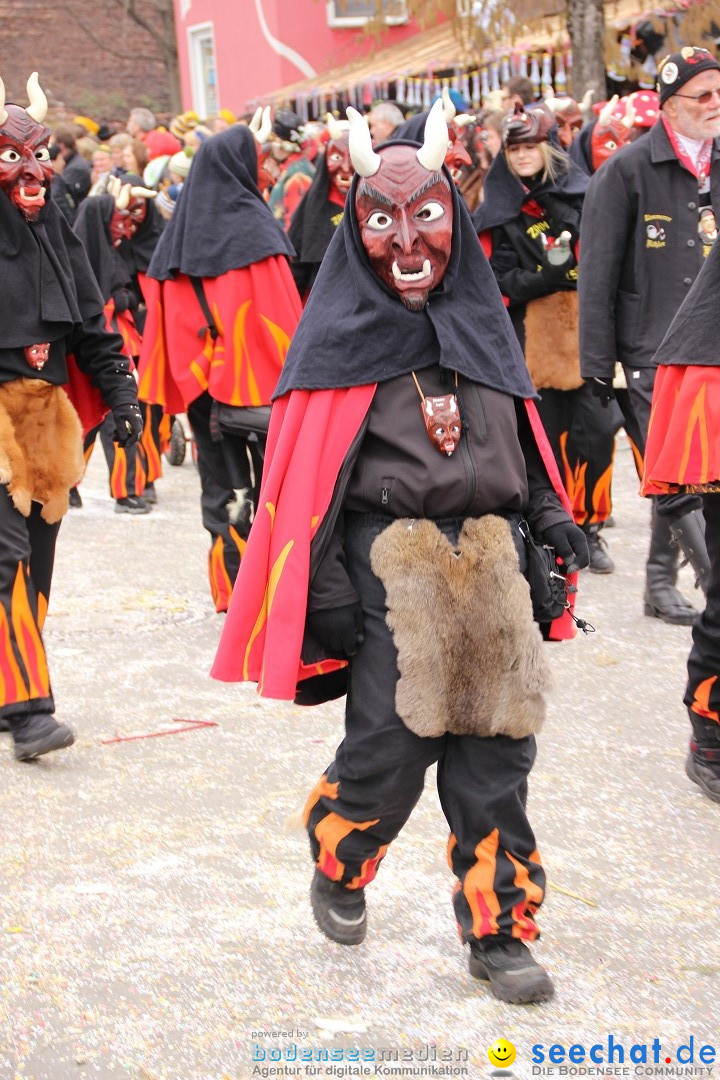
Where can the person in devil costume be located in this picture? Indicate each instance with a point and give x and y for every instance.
(222, 307)
(317, 217)
(403, 448)
(682, 457)
(52, 335)
(104, 223)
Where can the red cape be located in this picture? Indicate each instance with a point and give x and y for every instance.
(683, 450)
(310, 435)
(255, 309)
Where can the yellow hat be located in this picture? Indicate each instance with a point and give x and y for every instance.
(84, 121)
(229, 115)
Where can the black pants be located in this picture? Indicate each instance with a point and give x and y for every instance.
(369, 791)
(219, 477)
(702, 695)
(27, 555)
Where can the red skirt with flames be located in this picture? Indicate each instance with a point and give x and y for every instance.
(683, 447)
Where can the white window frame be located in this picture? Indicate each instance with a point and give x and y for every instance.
(196, 34)
(345, 22)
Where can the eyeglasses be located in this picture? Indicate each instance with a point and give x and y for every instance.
(702, 99)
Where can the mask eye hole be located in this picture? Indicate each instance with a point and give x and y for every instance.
(335, 158)
(43, 154)
(10, 156)
(431, 211)
(379, 221)
(611, 145)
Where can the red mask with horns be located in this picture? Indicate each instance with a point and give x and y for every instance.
(25, 166)
(404, 208)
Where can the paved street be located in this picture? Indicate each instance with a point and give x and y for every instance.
(154, 913)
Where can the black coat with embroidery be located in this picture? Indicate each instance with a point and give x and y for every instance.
(640, 251)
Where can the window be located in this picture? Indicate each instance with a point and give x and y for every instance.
(348, 13)
(203, 69)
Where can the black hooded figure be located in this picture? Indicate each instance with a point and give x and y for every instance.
(403, 422)
(529, 227)
(127, 466)
(52, 335)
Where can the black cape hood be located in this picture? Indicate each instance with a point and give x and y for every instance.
(92, 225)
(355, 330)
(221, 221)
(692, 337)
(47, 283)
(312, 228)
(504, 193)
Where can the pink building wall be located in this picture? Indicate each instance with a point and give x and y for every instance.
(261, 45)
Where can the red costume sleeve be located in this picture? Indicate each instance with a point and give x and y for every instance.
(87, 400)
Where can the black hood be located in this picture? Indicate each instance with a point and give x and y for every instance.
(692, 337)
(504, 193)
(92, 225)
(47, 283)
(355, 330)
(221, 221)
(312, 226)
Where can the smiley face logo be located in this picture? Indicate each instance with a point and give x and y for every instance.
(501, 1053)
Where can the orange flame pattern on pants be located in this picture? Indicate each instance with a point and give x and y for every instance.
(23, 667)
(479, 889)
(701, 700)
(221, 585)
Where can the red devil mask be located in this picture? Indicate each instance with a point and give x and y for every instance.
(125, 223)
(456, 156)
(339, 165)
(404, 208)
(38, 355)
(609, 134)
(25, 166)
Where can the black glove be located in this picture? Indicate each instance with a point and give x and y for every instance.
(340, 629)
(570, 545)
(121, 300)
(128, 424)
(603, 390)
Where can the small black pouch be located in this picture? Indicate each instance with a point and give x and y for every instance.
(242, 419)
(548, 587)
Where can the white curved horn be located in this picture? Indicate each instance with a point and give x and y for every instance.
(463, 119)
(336, 128)
(143, 193)
(263, 133)
(254, 124)
(365, 161)
(122, 200)
(630, 114)
(448, 105)
(607, 111)
(38, 102)
(3, 110)
(432, 153)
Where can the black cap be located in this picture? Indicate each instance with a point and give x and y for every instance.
(678, 68)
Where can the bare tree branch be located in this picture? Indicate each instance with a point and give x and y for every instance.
(112, 49)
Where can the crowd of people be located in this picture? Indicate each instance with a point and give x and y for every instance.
(452, 316)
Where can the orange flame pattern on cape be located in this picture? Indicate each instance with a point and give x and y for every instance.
(683, 451)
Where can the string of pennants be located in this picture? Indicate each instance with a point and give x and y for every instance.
(546, 70)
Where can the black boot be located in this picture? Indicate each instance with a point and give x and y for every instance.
(36, 734)
(508, 965)
(662, 599)
(339, 912)
(703, 761)
(600, 561)
(688, 532)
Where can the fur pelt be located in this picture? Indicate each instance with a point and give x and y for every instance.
(552, 349)
(41, 450)
(470, 656)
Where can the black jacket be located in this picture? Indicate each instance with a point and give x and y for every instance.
(640, 251)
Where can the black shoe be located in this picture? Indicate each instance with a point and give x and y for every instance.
(508, 965)
(4, 724)
(75, 499)
(38, 734)
(150, 495)
(600, 561)
(667, 603)
(703, 768)
(608, 523)
(339, 912)
(131, 504)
